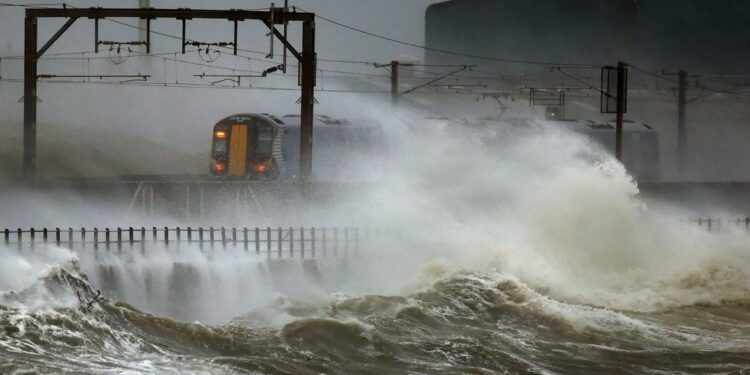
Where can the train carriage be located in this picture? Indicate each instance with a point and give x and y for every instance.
(261, 146)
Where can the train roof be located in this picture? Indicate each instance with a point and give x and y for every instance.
(571, 124)
(293, 120)
(592, 125)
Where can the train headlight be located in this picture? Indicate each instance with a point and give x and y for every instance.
(261, 168)
(219, 168)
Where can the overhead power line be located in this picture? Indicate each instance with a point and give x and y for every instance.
(668, 79)
(191, 86)
(444, 51)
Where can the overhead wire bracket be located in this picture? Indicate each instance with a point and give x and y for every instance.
(463, 67)
(238, 77)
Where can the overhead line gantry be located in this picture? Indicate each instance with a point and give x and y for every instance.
(274, 16)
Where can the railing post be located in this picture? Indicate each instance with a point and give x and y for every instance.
(312, 241)
(83, 238)
(143, 240)
(244, 237)
(346, 242)
(223, 238)
(190, 235)
(211, 236)
(268, 242)
(96, 239)
(281, 242)
(106, 238)
(57, 237)
(31, 236)
(324, 242)
(130, 236)
(291, 242)
(356, 241)
(70, 238)
(166, 237)
(44, 235)
(335, 241)
(19, 235)
(257, 240)
(119, 239)
(200, 238)
(7, 236)
(234, 237)
(302, 241)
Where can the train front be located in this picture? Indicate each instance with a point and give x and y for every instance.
(242, 147)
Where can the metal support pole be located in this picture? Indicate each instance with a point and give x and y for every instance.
(29, 97)
(621, 92)
(394, 81)
(144, 26)
(681, 128)
(307, 101)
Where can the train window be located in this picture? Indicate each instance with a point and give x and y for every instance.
(220, 145)
(265, 136)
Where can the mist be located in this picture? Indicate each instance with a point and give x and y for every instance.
(493, 233)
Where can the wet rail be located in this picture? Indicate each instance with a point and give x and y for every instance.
(301, 242)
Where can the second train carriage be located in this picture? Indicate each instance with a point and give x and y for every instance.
(266, 147)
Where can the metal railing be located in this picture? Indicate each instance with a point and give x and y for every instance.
(717, 224)
(277, 242)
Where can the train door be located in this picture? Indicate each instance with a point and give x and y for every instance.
(238, 150)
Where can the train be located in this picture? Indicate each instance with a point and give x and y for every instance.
(262, 146)
(640, 143)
